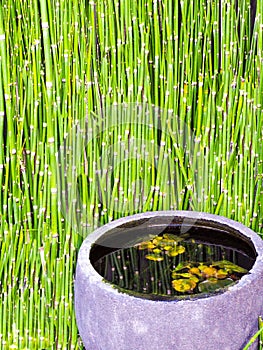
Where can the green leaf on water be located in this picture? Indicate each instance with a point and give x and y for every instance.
(183, 285)
(213, 284)
(187, 275)
(183, 274)
(182, 265)
(221, 274)
(229, 266)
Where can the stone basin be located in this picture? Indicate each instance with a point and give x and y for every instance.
(108, 319)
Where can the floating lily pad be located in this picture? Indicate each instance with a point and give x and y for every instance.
(182, 265)
(213, 284)
(221, 273)
(194, 278)
(183, 274)
(228, 265)
(183, 285)
(187, 275)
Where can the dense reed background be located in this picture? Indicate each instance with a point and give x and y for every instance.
(108, 108)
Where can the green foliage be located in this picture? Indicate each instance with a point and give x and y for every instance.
(63, 62)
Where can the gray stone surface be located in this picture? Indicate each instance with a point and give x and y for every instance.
(110, 320)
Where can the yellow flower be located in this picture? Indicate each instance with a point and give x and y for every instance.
(209, 271)
(176, 251)
(195, 271)
(154, 257)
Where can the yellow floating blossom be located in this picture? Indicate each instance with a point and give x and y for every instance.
(176, 251)
(154, 257)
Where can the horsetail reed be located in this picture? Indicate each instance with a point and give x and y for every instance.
(145, 105)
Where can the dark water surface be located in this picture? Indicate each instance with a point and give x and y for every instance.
(130, 271)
